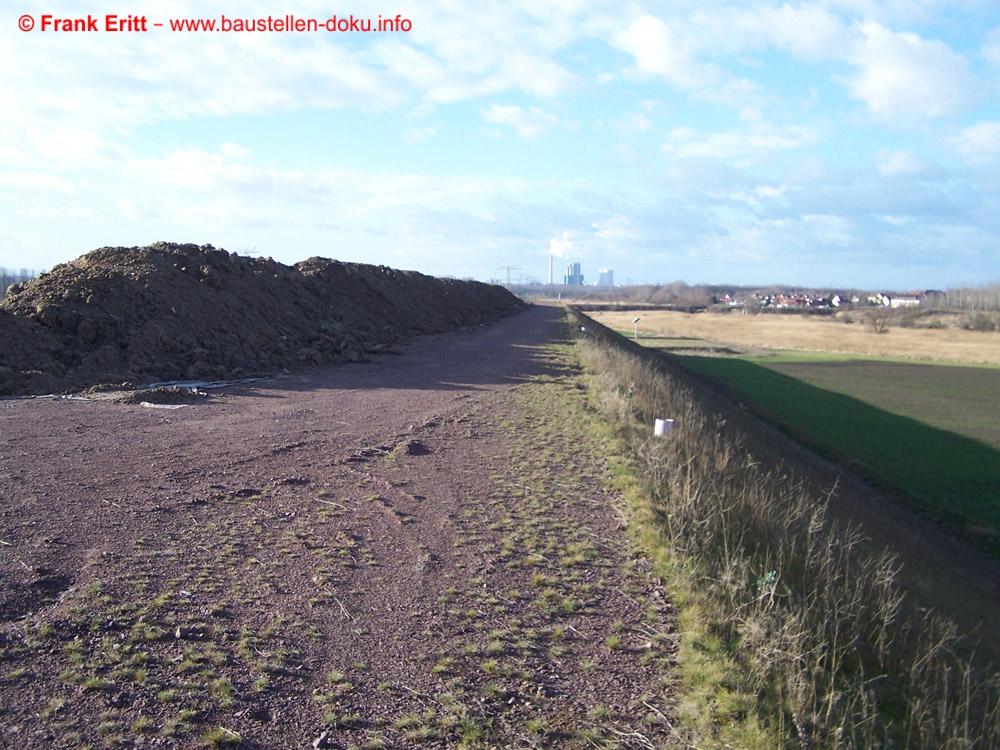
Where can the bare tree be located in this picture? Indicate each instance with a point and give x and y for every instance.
(878, 319)
(982, 298)
(8, 277)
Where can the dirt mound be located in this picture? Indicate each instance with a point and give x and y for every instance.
(170, 311)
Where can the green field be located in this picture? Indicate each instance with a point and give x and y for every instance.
(928, 431)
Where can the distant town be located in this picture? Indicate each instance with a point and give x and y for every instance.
(573, 285)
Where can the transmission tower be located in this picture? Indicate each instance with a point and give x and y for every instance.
(508, 269)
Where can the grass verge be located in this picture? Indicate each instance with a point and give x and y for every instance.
(794, 633)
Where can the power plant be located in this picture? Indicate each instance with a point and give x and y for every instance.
(574, 276)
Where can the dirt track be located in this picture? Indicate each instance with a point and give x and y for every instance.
(414, 551)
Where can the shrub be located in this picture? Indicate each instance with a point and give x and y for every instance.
(981, 322)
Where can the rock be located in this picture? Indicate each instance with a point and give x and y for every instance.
(53, 368)
(69, 320)
(352, 351)
(309, 355)
(47, 315)
(87, 331)
(416, 448)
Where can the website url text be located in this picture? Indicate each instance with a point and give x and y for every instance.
(226, 25)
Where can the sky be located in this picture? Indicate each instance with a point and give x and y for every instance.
(825, 143)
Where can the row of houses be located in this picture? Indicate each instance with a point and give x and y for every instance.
(807, 300)
(910, 299)
(797, 300)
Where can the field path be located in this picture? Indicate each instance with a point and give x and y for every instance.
(418, 551)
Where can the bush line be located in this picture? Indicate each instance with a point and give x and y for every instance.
(794, 633)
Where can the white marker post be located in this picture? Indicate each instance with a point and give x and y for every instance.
(663, 427)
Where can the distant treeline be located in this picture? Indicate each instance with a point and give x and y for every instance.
(675, 294)
(678, 293)
(9, 276)
(985, 298)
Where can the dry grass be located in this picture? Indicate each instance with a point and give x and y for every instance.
(814, 333)
(795, 633)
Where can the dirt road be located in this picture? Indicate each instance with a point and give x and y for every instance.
(415, 551)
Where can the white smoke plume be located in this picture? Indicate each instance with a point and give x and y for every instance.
(561, 247)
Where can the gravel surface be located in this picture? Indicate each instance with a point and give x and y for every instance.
(415, 551)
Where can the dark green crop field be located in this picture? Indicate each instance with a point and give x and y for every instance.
(963, 400)
(928, 431)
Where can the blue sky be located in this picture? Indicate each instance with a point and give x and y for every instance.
(851, 143)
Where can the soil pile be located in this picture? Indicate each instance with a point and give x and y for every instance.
(181, 311)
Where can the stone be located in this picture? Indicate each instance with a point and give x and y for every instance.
(87, 331)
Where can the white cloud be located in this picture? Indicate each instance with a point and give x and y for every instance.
(898, 163)
(561, 246)
(225, 211)
(830, 229)
(666, 50)
(635, 122)
(421, 124)
(756, 143)
(904, 79)
(191, 189)
(192, 169)
(625, 155)
(978, 143)
(417, 67)
(187, 175)
(377, 193)
(991, 48)
(104, 84)
(809, 32)
(529, 123)
(676, 49)
(770, 191)
(534, 74)
(34, 181)
(897, 221)
(456, 54)
(234, 151)
(341, 135)
(73, 149)
(705, 174)
(615, 231)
